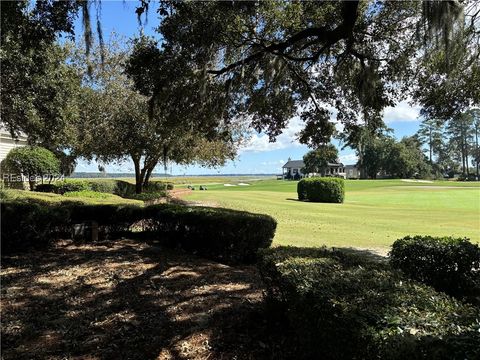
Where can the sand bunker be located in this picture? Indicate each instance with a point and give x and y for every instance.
(419, 181)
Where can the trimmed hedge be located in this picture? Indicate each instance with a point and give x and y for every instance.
(35, 224)
(63, 187)
(448, 264)
(343, 306)
(157, 186)
(105, 186)
(148, 196)
(226, 235)
(229, 236)
(301, 191)
(121, 188)
(329, 190)
(46, 188)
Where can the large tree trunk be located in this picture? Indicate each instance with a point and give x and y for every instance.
(143, 174)
(149, 166)
(148, 174)
(139, 174)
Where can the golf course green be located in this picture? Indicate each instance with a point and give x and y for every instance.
(375, 212)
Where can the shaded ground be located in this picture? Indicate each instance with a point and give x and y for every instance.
(131, 300)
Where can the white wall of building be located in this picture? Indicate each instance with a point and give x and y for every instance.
(7, 143)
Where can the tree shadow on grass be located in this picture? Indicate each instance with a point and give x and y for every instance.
(130, 300)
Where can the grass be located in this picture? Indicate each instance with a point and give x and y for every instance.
(375, 212)
(87, 197)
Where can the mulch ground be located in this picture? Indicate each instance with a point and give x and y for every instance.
(126, 299)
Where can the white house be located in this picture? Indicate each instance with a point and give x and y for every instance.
(293, 169)
(8, 143)
(352, 172)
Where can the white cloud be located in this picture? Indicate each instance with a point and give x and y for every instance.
(288, 139)
(274, 163)
(401, 112)
(348, 158)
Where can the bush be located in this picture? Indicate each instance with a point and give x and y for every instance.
(226, 235)
(329, 190)
(32, 162)
(448, 264)
(63, 187)
(88, 194)
(148, 196)
(47, 188)
(108, 186)
(35, 224)
(302, 195)
(157, 186)
(121, 188)
(113, 220)
(124, 188)
(343, 306)
(26, 224)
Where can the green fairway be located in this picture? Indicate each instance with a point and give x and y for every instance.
(375, 212)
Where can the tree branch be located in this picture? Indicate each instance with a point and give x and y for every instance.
(322, 35)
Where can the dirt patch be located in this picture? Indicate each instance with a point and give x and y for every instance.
(132, 300)
(179, 193)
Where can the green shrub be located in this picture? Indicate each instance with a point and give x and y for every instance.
(47, 188)
(88, 194)
(124, 188)
(26, 224)
(226, 235)
(63, 187)
(448, 264)
(36, 224)
(31, 161)
(158, 186)
(329, 190)
(113, 220)
(343, 306)
(121, 188)
(148, 196)
(301, 190)
(108, 186)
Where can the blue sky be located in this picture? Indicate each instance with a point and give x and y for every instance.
(258, 156)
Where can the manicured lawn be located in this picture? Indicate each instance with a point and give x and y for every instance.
(375, 212)
(87, 197)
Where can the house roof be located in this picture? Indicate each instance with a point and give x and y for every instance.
(350, 166)
(298, 164)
